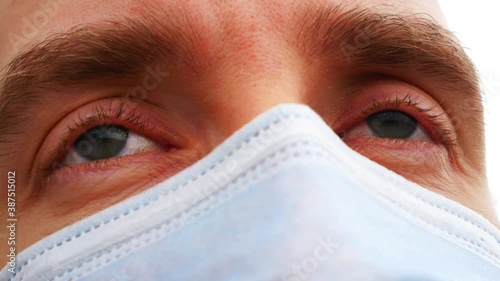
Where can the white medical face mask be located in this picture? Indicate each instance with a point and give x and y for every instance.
(282, 199)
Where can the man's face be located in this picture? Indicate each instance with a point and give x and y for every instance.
(103, 99)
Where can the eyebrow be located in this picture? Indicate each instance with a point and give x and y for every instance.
(363, 38)
(117, 50)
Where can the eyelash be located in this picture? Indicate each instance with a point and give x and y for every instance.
(131, 119)
(440, 130)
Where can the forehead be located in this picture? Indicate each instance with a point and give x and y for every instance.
(30, 21)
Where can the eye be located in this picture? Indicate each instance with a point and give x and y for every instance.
(106, 142)
(389, 124)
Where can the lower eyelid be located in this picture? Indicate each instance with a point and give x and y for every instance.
(404, 147)
(115, 177)
(105, 164)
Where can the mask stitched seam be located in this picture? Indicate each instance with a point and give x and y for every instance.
(448, 211)
(493, 255)
(249, 177)
(397, 181)
(468, 243)
(154, 199)
(458, 216)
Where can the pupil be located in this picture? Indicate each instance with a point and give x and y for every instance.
(101, 142)
(392, 124)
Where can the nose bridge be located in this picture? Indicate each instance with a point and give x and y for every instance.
(238, 100)
(251, 66)
(242, 90)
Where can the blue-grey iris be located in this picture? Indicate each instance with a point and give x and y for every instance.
(392, 124)
(101, 142)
